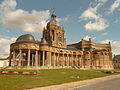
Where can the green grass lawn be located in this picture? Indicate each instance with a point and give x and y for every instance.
(46, 77)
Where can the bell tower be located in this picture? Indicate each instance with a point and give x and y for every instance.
(54, 33)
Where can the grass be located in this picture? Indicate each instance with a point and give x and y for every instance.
(46, 77)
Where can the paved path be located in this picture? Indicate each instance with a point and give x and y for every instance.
(82, 84)
(113, 84)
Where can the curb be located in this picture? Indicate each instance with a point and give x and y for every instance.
(71, 85)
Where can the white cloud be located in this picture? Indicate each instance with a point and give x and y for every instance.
(115, 46)
(5, 46)
(102, 0)
(89, 14)
(88, 37)
(26, 21)
(33, 21)
(98, 25)
(96, 21)
(114, 6)
(104, 34)
(65, 19)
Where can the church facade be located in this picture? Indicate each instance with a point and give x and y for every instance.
(53, 52)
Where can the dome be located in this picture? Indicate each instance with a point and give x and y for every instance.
(26, 38)
(53, 21)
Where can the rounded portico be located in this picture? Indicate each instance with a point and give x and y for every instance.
(24, 52)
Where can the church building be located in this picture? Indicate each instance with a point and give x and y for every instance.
(53, 52)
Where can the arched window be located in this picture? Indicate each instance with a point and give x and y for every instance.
(53, 35)
(106, 54)
(74, 52)
(87, 52)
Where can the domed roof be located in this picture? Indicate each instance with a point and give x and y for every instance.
(26, 38)
(53, 21)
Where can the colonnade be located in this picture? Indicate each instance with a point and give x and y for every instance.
(62, 59)
(43, 58)
(29, 58)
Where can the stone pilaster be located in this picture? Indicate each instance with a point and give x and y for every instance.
(14, 58)
(10, 58)
(54, 59)
(20, 57)
(43, 58)
(28, 61)
(58, 60)
(36, 58)
(48, 59)
(72, 59)
(39, 58)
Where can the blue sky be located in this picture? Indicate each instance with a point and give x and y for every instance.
(98, 19)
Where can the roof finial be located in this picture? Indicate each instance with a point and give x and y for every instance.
(53, 16)
(53, 10)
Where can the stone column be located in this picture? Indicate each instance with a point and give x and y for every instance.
(111, 61)
(60, 59)
(91, 59)
(32, 59)
(54, 59)
(10, 58)
(36, 58)
(58, 62)
(28, 61)
(20, 56)
(14, 58)
(48, 62)
(39, 57)
(43, 58)
(67, 60)
(75, 60)
(103, 61)
(71, 59)
(99, 61)
(108, 60)
(80, 60)
(63, 60)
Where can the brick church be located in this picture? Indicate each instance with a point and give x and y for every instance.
(53, 52)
